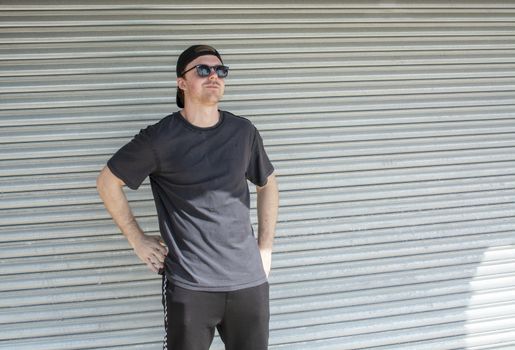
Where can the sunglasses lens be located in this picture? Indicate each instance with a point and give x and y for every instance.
(203, 70)
(222, 71)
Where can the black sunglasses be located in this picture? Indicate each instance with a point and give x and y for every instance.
(203, 70)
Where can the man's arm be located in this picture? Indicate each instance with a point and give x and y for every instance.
(150, 249)
(267, 208)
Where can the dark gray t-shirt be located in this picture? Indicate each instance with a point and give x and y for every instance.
(199, 182)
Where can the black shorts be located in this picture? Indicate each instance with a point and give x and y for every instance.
(241, 318)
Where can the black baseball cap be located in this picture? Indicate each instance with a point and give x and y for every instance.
(186, 57)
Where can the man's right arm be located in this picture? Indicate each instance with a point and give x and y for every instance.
(150, 249)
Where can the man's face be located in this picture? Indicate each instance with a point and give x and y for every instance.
(206, 91)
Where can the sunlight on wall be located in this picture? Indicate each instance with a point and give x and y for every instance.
(491, 311)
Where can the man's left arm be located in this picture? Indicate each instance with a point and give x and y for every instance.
(267, 208)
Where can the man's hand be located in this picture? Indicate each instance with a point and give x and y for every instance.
(151, 250)
(266, 258)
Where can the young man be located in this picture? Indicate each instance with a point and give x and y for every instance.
(199, 160)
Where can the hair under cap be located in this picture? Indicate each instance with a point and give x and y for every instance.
(186, 57)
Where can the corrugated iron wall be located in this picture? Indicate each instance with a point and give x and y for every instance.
(391, 125)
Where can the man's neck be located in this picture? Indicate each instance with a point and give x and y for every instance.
(201, 116)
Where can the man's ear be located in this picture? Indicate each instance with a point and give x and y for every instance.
(181, 84)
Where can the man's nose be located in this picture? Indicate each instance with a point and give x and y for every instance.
(212, 73)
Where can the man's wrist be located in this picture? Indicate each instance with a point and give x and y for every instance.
(135, 238)
(265, 249)
(265, 241)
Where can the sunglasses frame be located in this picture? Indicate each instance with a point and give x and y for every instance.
(211, 68)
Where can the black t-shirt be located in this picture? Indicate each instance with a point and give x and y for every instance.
(199, 182)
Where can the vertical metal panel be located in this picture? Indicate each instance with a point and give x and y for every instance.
(391, 125)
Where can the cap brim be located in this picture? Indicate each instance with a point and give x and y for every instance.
(178, 100)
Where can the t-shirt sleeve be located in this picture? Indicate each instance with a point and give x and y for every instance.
(259, 167)
(136, 160)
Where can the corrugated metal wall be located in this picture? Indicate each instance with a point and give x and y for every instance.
(391, 125)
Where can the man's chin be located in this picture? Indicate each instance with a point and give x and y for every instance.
(213, 99)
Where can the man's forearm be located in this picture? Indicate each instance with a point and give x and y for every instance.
(267, 208)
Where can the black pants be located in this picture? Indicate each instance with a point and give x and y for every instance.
(241, 317)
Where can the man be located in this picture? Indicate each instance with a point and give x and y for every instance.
(199, 160)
